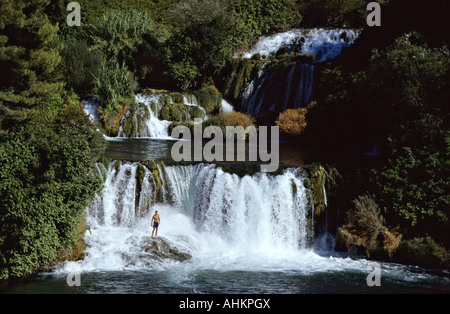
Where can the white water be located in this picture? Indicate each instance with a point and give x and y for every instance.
(226, 106)
(226, 222)
(324, 44)
(90, 108)
(279, 89)
(216, 216)
(253, 224)
(154, 127)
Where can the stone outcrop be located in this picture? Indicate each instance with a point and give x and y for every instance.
(161, 249)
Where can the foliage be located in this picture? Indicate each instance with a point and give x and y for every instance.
(80, 66)
(91, 10)
(233, 118)
(47, 146)
(423, 251)
(201, 43)
(335, 13)
(365, 225)
(209, 98)
(118, 35)
(409, 91)
(259, 17)
(114, 81)
(29, 54)
(45, 166)
(293, 121)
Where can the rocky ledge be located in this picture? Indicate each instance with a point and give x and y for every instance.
(161, 249)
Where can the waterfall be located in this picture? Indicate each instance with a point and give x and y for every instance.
(226, 106)
(324, 44)
(90, 108)
(203, 208)
(277, 89)
(325, 242)
(145, 118)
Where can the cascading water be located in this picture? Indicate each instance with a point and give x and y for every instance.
(205, 210)
(324, 44)
(146, 119)
(277, 89)
(90, 108)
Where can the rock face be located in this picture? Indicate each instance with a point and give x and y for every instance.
(161, 249)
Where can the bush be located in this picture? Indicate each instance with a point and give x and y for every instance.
(293, 121)
(209, 98)
(114, 81)
(424, 252)
(257, 17)
(80, 66)
(201, 43)
(46, 166)
(366, 228)
(119, 35)
(233, 118)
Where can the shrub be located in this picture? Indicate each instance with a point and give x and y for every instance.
(47, 181)
(80, 65)
(293, 121)
(233, 118)
(366, 228)
(201, 43)
(424, 252)
(209, 98)
(113, 82)
(119, 35)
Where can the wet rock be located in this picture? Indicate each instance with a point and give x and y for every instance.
(161, 249)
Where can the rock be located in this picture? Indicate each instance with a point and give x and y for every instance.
(161, 248)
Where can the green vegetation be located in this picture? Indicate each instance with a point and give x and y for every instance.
(47, 147)
(394, 93)
(366, 228)
(46, 167)
(258, 17)
(397, 99)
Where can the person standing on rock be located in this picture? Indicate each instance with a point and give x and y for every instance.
(156, 220)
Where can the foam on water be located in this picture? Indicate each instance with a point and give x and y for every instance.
(324, 44)
(227, 223)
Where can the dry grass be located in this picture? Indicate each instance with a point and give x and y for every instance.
(293, 121)
(366, 228)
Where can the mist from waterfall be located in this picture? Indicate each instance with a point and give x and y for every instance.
(204, 210)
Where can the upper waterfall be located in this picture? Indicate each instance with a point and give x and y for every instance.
(277, 88)
(324, 44)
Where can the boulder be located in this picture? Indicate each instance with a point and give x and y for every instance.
(161, 249)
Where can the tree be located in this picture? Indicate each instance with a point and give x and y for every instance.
(256, 17)
(201, 43)
(47, 146)
(408, 89)
(80, 66)
(118, 35)
(29, 55)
